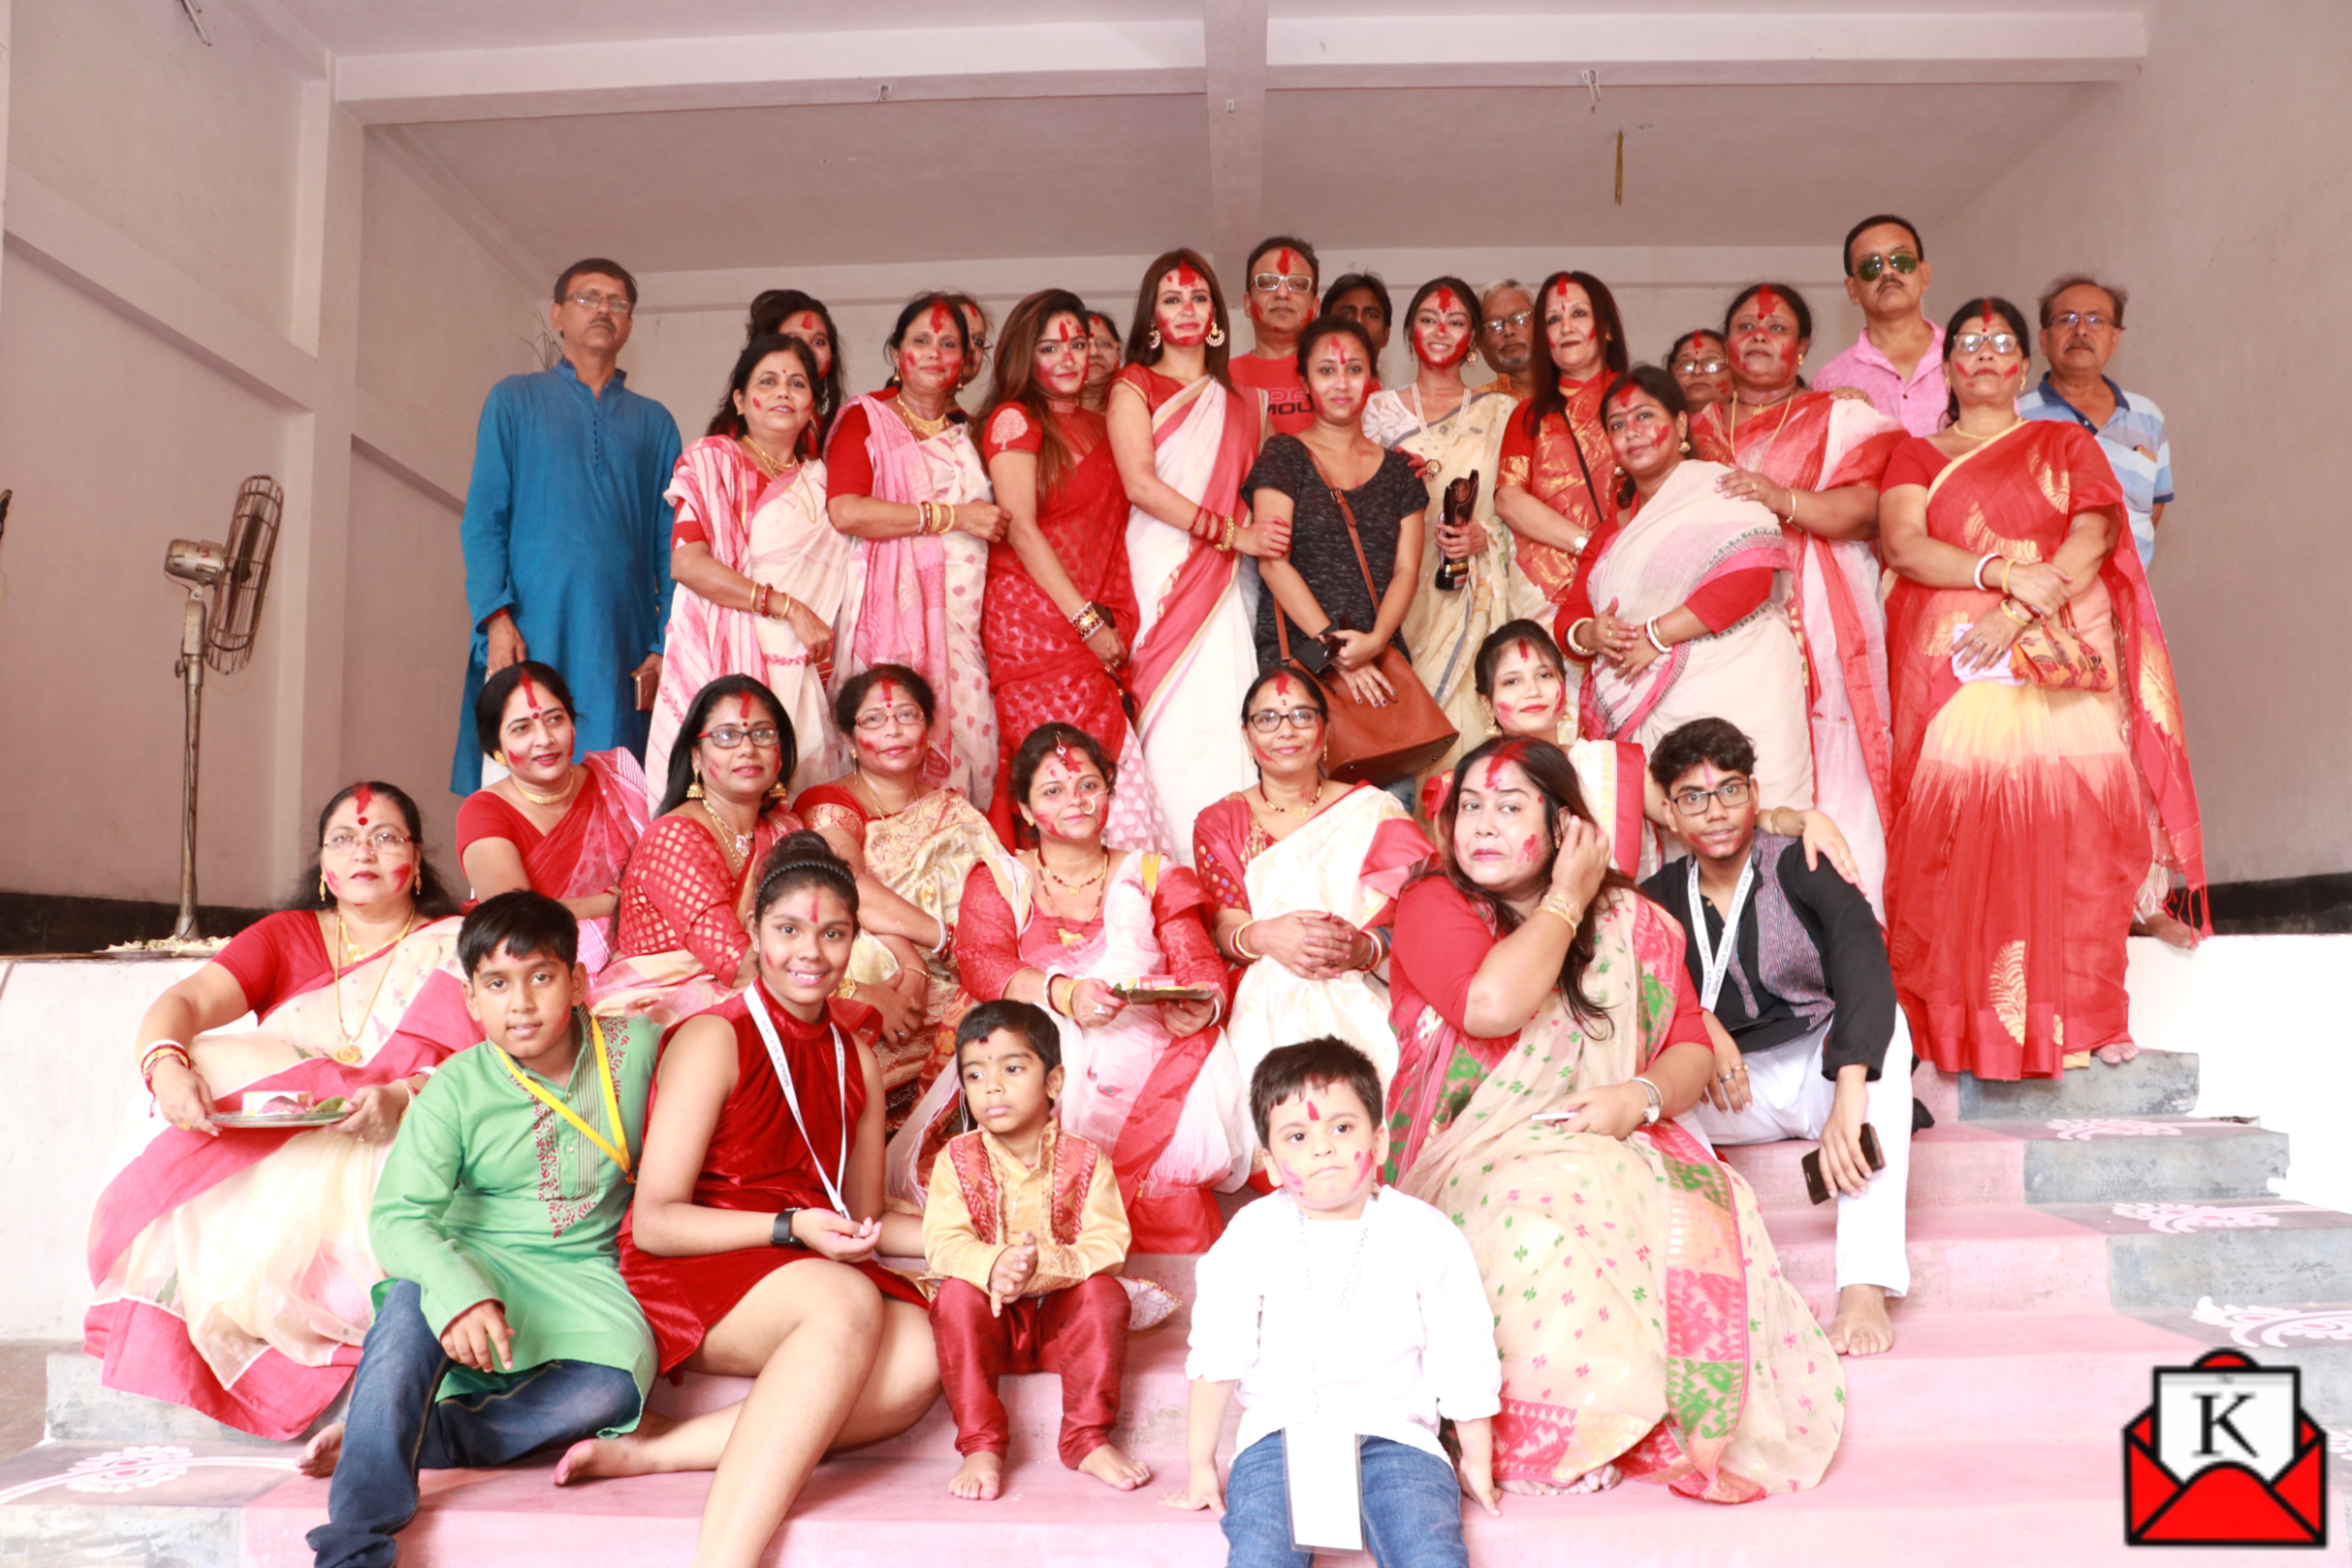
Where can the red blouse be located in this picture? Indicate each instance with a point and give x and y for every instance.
(678, 892)
(848, 467)
(277, 958)
(990, 947)
(1084, 519)
(1227, 837)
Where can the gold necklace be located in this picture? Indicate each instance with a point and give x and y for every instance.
(1994, 435)
(571, 788)
(1305, 809)
(765, 461)
(1731, 425)
(923, 428)
(350, 1053)
(1083, 883)
(735, 847)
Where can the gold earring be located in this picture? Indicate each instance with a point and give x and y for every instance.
(694, 790)
(322, 887)
(1217, 337)
(1686, 446)
(1154, 339)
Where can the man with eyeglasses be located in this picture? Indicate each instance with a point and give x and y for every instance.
(1282, 276)
(1506, 337)
(1809, 1043)
(1898, 361)
(2081, 327)
(566, 532)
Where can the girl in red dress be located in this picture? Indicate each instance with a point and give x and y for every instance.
(751, 1245)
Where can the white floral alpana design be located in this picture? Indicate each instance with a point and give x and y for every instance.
(2181, 1219)
(2256, 1327)
(2078, 1126)
(138, 1467)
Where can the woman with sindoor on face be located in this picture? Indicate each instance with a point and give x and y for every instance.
(1701, 362)
(554, 826)
(1105, 349)
(758, 569)
(2040, 766)
(1549, 1038)
(1683, 614)
(789, 312)
(904, 480)
(754, 1241)
(233, 1267)
(1337, 595)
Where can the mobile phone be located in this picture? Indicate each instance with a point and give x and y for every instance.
(1817, 1187)
(648, 682)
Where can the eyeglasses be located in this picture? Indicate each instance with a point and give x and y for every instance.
(1871, 265)
(1695, 802)
(1267, 721)
(1517, 321)
(384, 841)
(2065, 319)
(617, 304)
(1701, 366)
(1268, 282)
(727, 736)
(1999, 343)
(883, 717)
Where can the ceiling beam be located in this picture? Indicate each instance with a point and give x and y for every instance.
(1235, 38)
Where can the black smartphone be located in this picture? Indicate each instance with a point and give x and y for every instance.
(1817, 1187)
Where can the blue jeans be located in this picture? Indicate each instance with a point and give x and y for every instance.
(396, 1428)
(1413, 1508)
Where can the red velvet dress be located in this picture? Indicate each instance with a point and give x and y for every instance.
(759, 1162)
(1037, 665)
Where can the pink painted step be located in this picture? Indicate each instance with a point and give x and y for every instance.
(1925, 1503)
(1951, 1163)
(1989, 1257)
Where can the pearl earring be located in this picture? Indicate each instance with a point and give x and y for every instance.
(1216, 337)
(1154, 339)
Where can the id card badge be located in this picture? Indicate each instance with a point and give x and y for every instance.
(1326, 1485)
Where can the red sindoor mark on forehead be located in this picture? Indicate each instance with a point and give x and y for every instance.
(1445, 299)
(1282, 687)
(363, 798)
(1313, 1114)
(1495, 772)
(1526, 650)
(1767, 302)
(1067, 329)
(943, 320)
(1184, 276)
(1286, 262)
(530, 695)
(886, 689)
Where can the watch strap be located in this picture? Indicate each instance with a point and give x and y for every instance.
(783, 1234)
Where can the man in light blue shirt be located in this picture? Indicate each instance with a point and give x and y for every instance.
(2081, 325)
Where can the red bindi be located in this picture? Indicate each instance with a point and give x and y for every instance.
(362, 798)
(1767, 304)
(943, 320)
(1312, 1114)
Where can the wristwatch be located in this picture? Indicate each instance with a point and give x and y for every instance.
(1657, 1105)
(782, 1235)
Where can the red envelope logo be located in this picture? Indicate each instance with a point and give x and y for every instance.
(2225, 1457)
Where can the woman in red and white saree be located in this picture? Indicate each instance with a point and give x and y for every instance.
(1066, 924)
(1814, 460)
(1302, 873)
(1549, 1036)
(1684, 614)
(1558, 487)
(232, 1265)
(1184, 441)
(556, 827)
(758, 569)
(1061, 600)
(2040, 766)
(905, 480)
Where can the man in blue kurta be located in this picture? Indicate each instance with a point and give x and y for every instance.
(566, 532)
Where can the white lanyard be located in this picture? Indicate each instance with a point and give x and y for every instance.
(1717, 962)
(792, 1102)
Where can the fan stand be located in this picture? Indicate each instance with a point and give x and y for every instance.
(191, 671)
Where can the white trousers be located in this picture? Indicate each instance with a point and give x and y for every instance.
(1793, 1100)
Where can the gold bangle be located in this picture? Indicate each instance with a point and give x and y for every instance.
(2007, 566)
(1573, 646)
(1559, 904)
(1241, 951)
(2009, 608)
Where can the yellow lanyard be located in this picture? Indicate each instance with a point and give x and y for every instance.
(620, 1156)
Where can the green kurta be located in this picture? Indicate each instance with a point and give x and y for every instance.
(489, 1195)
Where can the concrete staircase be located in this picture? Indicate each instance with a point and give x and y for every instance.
(2065, 1239)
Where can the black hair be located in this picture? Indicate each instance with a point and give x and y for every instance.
(1501, 640)
(697, 714)
(771, 308)
(1094, 315)
(1323, 327)
(1676, 352)
(432, 896)
(1983, 305)
(1266, 677)
(521, 922)
(1463, 292)
(1716, 741)
(1355, 280)
(490, 702)
(1319, 1063)
(1548, 398)
(727, 420)
(1788, 296)
(602, 267)
(1215, 354)
(1554, 777)
(1280, 242)
(798, 860)
(1918, 247)
(916, 306)
(1046, 739)
(1658, 383)
(1028, 1020)
(2117, 295)
(852, 696)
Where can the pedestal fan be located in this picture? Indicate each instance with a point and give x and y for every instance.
(225, 587)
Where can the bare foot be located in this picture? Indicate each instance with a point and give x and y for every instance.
(2168, 931)
(2115, 1055)
(1861, 1326)
(1597, 1479)
(594, 1459)
(318, 1456)
(1115, 1470)
(977, 1478)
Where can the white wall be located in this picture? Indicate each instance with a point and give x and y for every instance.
(2214, 187)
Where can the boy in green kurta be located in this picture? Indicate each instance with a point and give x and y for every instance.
(504, 1325)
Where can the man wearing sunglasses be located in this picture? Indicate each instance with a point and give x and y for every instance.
(1898, 361)
(1809, 1043)
(1280, 283)
(2082, 326)
(566, 535)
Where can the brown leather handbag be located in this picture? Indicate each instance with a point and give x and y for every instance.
(1368, 744)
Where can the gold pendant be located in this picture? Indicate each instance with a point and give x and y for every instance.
(347, 1054)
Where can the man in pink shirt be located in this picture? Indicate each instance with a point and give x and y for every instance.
(1898, 361)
